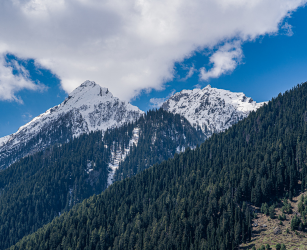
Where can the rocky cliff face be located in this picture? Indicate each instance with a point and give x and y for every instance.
(88, 108)
(214, 110)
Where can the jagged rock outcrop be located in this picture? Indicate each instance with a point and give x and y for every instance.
(214, 110)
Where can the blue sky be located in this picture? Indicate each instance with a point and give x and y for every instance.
(270, 64)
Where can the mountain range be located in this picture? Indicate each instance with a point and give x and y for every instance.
(98, 173)
(93, 108)
(209, 197)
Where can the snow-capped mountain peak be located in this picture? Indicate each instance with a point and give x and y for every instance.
(87, 91)
(88, 108)
(214, 110)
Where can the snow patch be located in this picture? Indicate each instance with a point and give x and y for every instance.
(4, 140)
(89, 167)
(120, 155)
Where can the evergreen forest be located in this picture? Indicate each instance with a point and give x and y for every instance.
(200, 199)
(162, 134)
(38, 188)
(48, 135)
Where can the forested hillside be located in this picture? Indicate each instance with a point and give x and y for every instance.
(46, 136)
(39, 188)
(198, 199)
(162, 134)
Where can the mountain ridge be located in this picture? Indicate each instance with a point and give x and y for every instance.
(212, 109)
(88, 108)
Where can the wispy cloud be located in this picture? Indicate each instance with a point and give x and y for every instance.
(190, 73)
(224, 60)
(287, 28)
(13, 78)
(27, 117)
(198, 86)
(157, 102)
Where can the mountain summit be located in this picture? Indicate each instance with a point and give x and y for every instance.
(212, 109)
(88, 108)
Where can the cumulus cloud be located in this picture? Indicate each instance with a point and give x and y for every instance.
(129, 45)
(13, 78)
(225, 60)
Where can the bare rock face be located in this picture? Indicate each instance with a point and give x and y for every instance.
(213, 110)
(88, 108)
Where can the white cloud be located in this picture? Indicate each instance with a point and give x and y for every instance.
(157, 102)
(287, 29)
(225, 60)
(11, 83)
(190, 73)
(129, 45)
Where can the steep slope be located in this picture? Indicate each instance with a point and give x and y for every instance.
(158, 135)
(201, 198)
(39, 187)
(276, 225)
(88, 108)
(214, 110)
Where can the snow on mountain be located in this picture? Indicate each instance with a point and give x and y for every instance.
(120, 154)
(214, 110)
(4, 140)
(88, 108)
